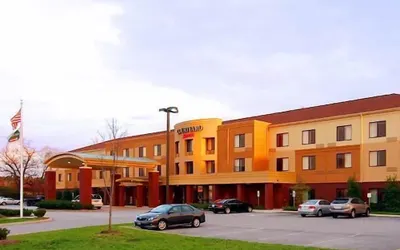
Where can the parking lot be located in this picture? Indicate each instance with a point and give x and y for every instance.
(361, 233)
(273, 227)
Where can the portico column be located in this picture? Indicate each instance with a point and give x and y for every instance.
(50, 185)
(154, 189)
(139, 195)
(116, 189)
(121, 196)
(189, 194)
(85, 185)
(240, 192)
(269, 196)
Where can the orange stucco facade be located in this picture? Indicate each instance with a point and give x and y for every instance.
(216, 159)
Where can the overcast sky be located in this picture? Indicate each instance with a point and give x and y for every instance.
(76, 63)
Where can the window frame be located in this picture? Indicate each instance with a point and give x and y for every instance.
(344, 132)
(191, 164)
(212, 167)
(239, 168)
(309, 160)
(241, 140)
(277, 140)
(344, 160)
(157, 149)
(309, 137)
(177, 167)
(377, 129)
(377, 158)
(187, 143)
(282, 158)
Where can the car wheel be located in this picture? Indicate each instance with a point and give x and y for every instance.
(353, 214)
(335, 216)
(249, 209)
(319, 214)
(367, 213)
(196, 222)
(162, 225)
(227, 210)
(3, 204)
(215, 212)
(303, 215)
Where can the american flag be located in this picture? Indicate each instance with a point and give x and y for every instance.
(16, 119)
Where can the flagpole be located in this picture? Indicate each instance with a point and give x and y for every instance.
(21, 176)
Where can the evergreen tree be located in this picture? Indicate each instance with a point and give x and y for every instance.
(353, 188)
(391, 199)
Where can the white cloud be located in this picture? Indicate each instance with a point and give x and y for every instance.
(51, 55)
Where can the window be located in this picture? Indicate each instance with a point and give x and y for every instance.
(343, 133)
(142, 151)
(112, 153)
(309, 137)
(126, 152)
(210, 145)
(126, 172)
(189, 146)
(69, 177)
(240, 165)
(309, 162)
(282, 164)
(377, 158)
(77, 176)
(343, 160)
(159, 169)
(187, 209)
(374, 195)
(101, 176)
(189, 167)
(177, 148)
(239, 141)
(282, 140)
(141, 172)
(377, 129)
(59, 177)
(210, 167)
(157, 150)
(177, 168)
(341, 192)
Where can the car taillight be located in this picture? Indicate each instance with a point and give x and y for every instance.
(311, 207)
(299, 207)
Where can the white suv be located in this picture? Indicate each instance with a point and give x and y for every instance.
(97, 200)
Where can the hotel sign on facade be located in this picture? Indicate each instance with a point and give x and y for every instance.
(189, 131)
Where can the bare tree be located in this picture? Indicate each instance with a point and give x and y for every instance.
(112, 133)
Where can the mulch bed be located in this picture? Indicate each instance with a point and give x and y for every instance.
(8, 242)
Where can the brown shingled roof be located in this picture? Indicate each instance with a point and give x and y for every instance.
(328, 110)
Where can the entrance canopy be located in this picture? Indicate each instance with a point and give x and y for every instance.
(97, 161)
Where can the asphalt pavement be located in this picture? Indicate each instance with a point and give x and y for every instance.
(372, 233)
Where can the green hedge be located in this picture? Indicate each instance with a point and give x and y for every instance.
(15, 212)
(60, 204)
(290, 208)
(40, 212)
(203, 206)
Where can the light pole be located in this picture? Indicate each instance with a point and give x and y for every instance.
(168, 110)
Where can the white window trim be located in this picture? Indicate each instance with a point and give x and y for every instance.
(285, 139)
(285, 164)
(348, 131)
(347, 160)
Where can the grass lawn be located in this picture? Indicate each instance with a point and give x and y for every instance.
(384, 212)
(14, 220)
(89, 238)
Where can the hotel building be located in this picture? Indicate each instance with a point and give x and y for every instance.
(258, 159)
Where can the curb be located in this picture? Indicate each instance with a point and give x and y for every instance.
(26, 222)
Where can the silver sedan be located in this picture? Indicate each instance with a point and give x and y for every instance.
(8, 201)
(317, 207)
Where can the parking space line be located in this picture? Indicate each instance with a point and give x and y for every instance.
(236, 232)
(335, 239)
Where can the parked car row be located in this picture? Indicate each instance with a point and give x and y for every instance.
(349, 206)
(8, 201)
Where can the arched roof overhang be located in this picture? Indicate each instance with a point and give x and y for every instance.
(97, 161)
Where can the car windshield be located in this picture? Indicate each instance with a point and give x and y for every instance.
(311, 202)
(161, 209)
(96, 196)
(340, 201)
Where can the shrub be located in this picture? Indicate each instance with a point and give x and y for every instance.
(40, 212)
(203, 206)
(61, 204)
(15, 212)
(353, 187)
(289, 208)
(3, 233)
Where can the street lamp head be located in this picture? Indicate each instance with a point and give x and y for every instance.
(169, 110)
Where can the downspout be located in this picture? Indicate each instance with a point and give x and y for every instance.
(361, 147)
